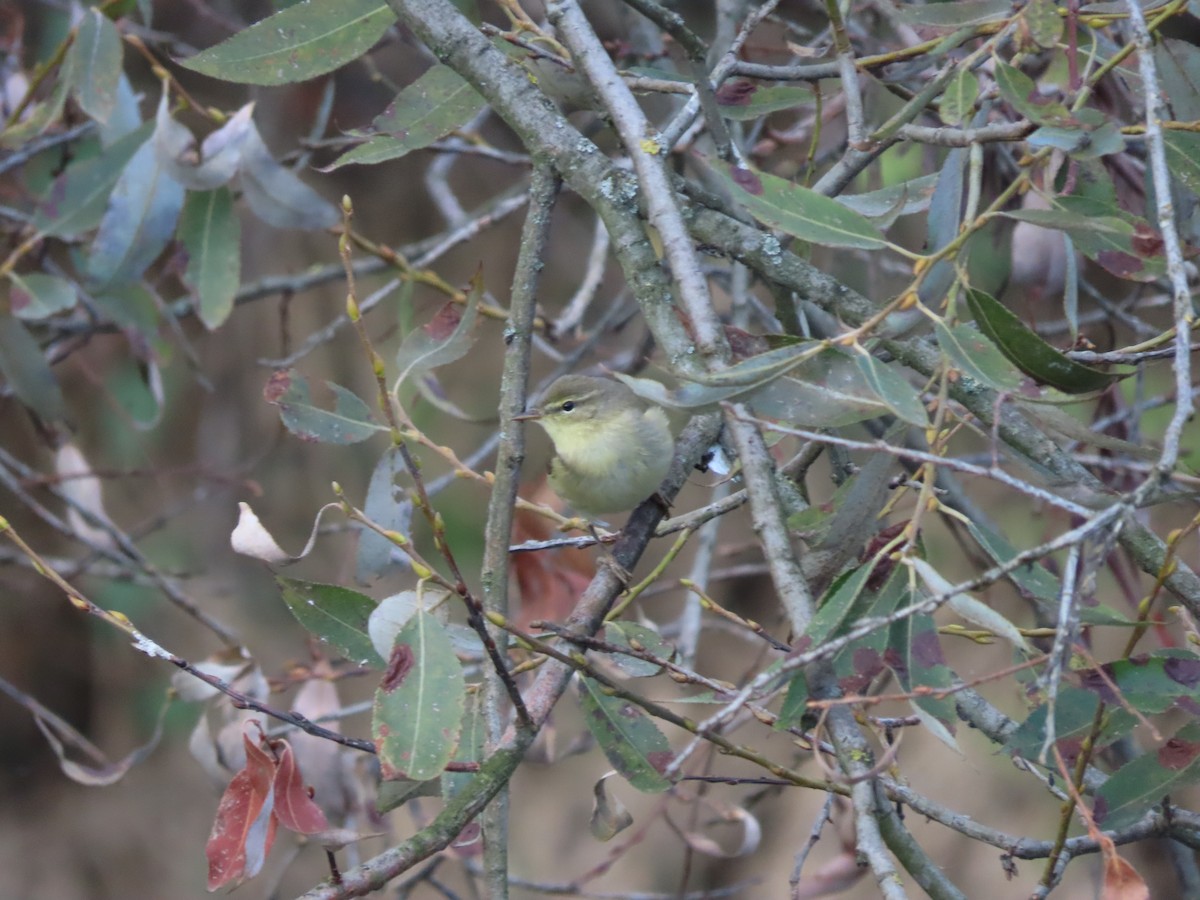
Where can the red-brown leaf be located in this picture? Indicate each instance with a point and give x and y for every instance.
(294, 808)
(442, 325)
(244, 828)
(1121, 881)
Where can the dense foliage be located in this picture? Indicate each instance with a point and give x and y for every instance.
(921, 270)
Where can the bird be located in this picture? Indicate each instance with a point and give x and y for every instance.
(612, 448)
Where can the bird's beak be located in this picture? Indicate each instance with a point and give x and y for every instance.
(529, 416)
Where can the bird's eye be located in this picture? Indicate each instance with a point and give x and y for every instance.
(568, 405)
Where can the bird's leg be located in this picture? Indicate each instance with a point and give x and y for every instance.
(609, 561)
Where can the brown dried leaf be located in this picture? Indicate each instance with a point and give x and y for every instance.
(294, 807)
(244, 828)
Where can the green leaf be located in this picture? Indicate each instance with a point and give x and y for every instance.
(628, 737)
(633, 635)
(859, 664)
(1034, 580)
(800, 212)
(418, 712)
(1183, 156)
(96, 68)
(38, 296)
(915, 656)
(889, 383)
(707, 388)
(844, 603)
(78, 197)
(1090, 218)
(137, 387)
(956, 15)
(824, 387)
(335, 614)
(472, 743)
(24, 367)
(211, 234)
(393, 794)
(446, 339)
(1029, 352)
(349, 423)
(742, 100)
(1021, 92)
(761, 367)
(942, 226)
(1146, 781)
(1066, 139)
(1179, 75)
(132, 308)
(1045, 23)
(434, 105)
(138, 222)
(126, 116)
(1124, 244)
(1152, 683)
(902, 199)
(1074, 717)
(976, 356)
(1088, 134)
(389, 506)
(827, 391)
(299, 43)
(958, 100)
(1104, 134)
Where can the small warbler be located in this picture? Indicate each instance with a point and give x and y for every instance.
(613, 449)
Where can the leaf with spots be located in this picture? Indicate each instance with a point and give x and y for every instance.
(447, 338)
(744, 100)
(419, 704)
(298, 43)
(39, 296)
(95, 68)
(349, 422)
(434, 105)
(1102, 232)
(628, 737)
(1152, 683)
(1146, 780)
(800, 212)
(1074, 720)
(859, 663)
(915, 656)
(637, 637)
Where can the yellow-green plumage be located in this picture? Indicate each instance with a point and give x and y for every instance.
(612, 448)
